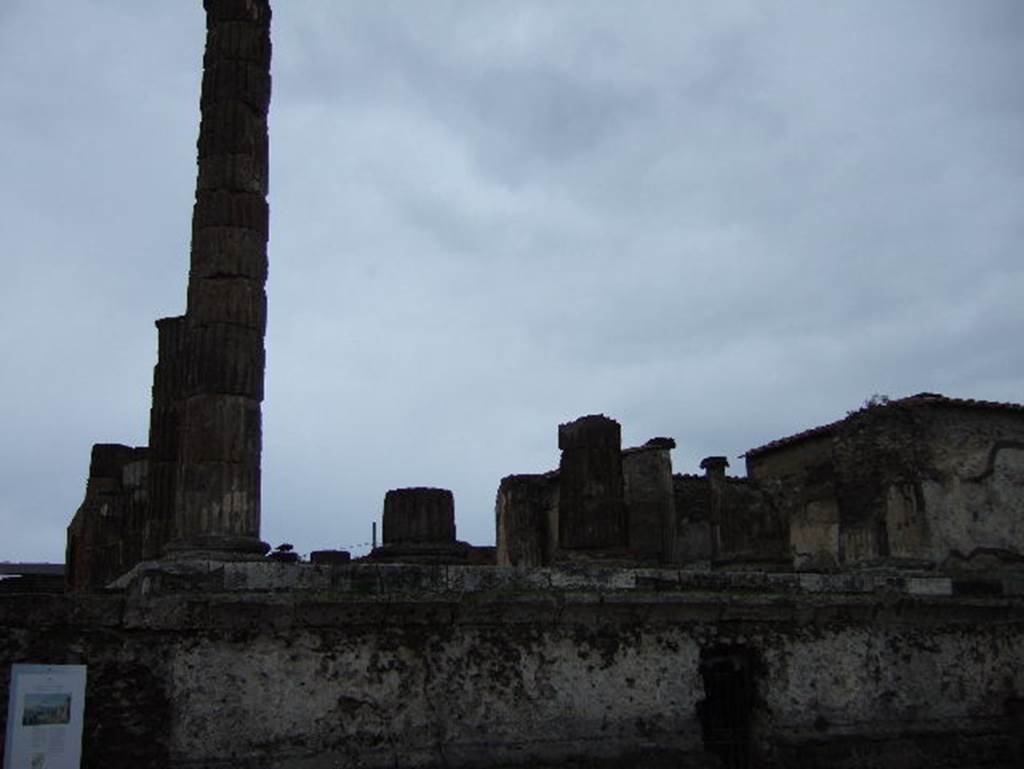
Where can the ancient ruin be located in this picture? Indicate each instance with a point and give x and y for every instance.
(856, 599)
(920, 483)
(196, 490)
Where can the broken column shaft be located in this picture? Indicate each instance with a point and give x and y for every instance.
(217, 491)
(526, 510)
(164, 431)
(419, 527)
(650, 498)
(419, 516)
(591, 513)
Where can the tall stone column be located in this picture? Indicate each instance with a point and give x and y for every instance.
(217, 499)
(591, 512)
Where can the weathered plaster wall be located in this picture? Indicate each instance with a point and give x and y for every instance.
(692, 497)
(974, 496)
(923, 483)
(752, 531)
(295, 666)
(929, 482)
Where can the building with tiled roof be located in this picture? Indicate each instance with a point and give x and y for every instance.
(925, 481)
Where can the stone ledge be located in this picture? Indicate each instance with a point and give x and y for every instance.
(173, 577)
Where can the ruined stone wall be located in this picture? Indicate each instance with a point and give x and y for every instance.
(876, 450)
(972, 497)
(692, 498)
(922, 483)
(752, 532)
(293, 666)
(729, 523)
(602, 503)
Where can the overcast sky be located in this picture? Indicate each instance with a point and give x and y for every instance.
(723, 222)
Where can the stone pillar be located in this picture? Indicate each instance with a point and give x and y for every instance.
(714, 471)
(523, 512)
(714, 467)
(217, 499)
(419, 527)
(419, 516)
(164, 435)
(591, 513)
(649, 493)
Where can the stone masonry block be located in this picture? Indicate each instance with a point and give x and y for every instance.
(330, 557)
(224, 428)
(232, 128)
(236, 79)
(225, 359)
(237, 172)
(590, 432)
(228, 251)
(230, 300)
(221, 208)
(252, 11)
(239, 40)
(217, 498)
(168, 374)
(108, 460)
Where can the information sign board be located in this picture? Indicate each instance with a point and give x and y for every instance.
(44, 717)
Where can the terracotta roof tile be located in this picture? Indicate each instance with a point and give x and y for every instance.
(920, 399)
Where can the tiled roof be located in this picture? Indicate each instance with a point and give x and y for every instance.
(913, 401)
(702, 478)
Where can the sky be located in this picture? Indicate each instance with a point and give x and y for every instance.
(720, 221)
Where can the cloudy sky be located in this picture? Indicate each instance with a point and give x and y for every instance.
(718, 221)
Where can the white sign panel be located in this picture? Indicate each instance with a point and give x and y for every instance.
(44, 717)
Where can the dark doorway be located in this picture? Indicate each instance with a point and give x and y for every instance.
(726, 710)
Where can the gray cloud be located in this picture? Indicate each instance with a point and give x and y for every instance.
(718, 221)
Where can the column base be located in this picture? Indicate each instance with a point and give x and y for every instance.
(449, 553)
(214, 547)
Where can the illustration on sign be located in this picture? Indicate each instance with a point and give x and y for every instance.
(44, 717)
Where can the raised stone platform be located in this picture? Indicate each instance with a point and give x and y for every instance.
(264, 665)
